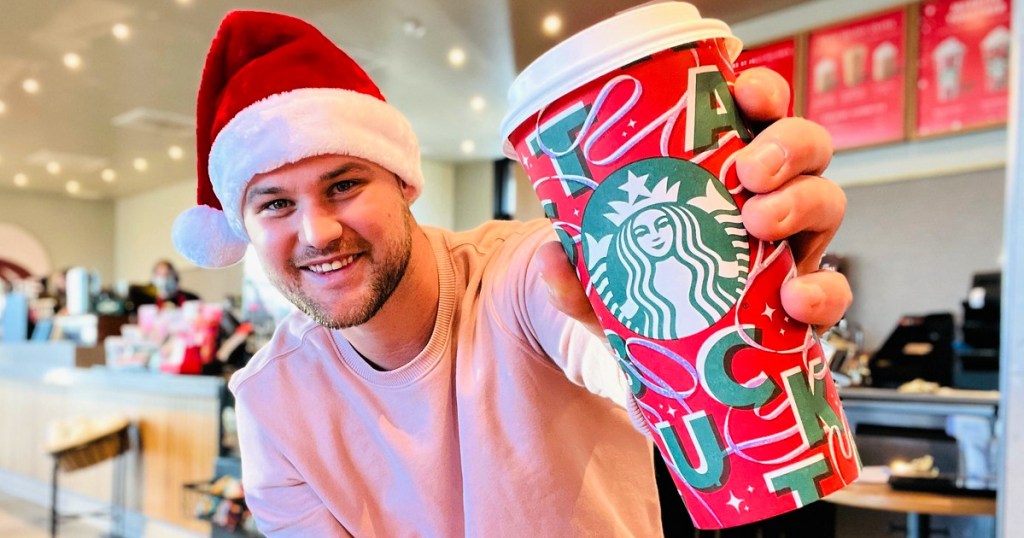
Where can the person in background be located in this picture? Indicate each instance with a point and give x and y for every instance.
(165, 282)
(435, 383)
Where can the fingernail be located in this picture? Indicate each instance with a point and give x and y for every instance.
(814, 295)
(774, 205)
(771, 157)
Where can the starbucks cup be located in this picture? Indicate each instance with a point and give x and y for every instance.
(627, 132)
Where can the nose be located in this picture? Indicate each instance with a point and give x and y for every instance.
(320, 228)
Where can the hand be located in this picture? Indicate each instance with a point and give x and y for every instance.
(782, 166)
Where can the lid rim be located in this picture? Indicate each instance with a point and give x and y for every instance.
(538, 85)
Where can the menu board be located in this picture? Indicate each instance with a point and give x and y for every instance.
(963, 65)
(779, 56)
(856, 78)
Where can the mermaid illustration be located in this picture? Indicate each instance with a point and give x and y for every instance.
(673, 264)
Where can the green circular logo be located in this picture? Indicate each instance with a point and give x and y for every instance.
(665, 247)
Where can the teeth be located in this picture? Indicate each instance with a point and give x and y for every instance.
(328, 267)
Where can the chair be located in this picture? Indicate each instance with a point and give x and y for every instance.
(79, 443)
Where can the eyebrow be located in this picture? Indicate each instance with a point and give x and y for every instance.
(344, 169)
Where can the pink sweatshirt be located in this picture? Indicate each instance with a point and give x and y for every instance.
(511, 422)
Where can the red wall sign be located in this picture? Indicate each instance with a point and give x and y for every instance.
(855, 80)
(963, 65)
(779, 56)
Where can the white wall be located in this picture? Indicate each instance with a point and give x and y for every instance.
(436, 204)
(474, 194)
(73, 231)
(143, 233)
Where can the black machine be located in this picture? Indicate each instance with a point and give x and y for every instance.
(919, 347)
(925, 347)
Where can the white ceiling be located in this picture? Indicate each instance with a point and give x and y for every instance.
(77, 117)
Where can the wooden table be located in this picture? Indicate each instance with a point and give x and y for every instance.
(918, 505)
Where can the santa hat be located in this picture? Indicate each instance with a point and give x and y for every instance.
(275, 91)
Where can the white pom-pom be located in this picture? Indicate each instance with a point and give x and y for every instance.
(203, 236)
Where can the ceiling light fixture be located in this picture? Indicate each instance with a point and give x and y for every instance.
(468, 146)
(140, 164)
(73, 187)
(184, 2)
(477, 103)
(72, 61)
(456, 57)
(121, 31)
(176, 153)
(552, 25)
(53, 167)
(414, 28)
(108, 175)
(3, 107)
(30, 85)
(20, 179)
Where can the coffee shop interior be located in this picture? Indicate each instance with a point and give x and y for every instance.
(115, 350)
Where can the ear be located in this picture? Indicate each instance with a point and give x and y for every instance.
(407, 190)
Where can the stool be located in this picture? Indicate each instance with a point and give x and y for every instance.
(91, 444)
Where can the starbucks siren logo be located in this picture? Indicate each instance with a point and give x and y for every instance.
(665, 247)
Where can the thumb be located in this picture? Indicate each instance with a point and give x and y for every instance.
(564, 289)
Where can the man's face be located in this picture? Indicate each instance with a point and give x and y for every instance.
(333, 233)
(164, 281)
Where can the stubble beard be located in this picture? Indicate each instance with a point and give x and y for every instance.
(386, 274)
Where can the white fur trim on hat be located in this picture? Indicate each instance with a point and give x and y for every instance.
(290, 126)
(203, 236)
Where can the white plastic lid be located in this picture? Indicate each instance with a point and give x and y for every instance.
(627, 37)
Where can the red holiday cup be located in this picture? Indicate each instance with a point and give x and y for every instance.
(627, 131)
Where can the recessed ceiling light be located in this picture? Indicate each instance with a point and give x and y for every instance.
(184, 2)
(176, 153)
(552, 25)
(468, 146)
(140, 164)
(414, 28)
(72, 61)
(53, 167)
(121, 31)
(3, 107)
(73, 187)
(20, 179)
(477, 103)
(456, 57)
(108, 175)
(30, 85)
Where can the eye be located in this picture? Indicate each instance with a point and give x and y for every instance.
(662, 222)
(343, 186)
(278, 204)
(641, 231)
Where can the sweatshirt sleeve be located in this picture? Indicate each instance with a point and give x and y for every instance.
(284, 505)
(586, 359)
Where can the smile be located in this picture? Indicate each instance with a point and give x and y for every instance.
(336, 265)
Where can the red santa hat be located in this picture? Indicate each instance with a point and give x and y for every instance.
(275, 91)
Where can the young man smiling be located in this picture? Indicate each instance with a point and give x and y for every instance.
(434, 383)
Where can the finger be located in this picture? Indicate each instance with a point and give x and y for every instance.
(807, 211)
(564, 289)
(786, 149)
(820, 298)
(762, 94)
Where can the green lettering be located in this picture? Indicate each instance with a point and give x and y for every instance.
(810, 406)
(622, 355)
(714, 361)
(801, 479)
(711, 110)
(709, 473)
(558, 135)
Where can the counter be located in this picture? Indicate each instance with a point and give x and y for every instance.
(178, 426)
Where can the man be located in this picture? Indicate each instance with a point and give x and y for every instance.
(434, 383)
(165, 282)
